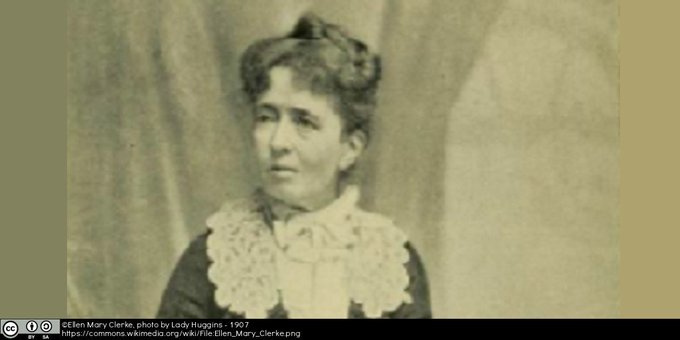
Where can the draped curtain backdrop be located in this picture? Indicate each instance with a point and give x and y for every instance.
(496, 144)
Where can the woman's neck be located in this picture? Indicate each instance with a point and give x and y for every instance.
(283, 210)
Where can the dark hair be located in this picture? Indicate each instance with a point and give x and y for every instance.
(327, 60)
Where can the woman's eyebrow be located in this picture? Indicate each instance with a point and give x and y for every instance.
(268, 106)
(300, 112)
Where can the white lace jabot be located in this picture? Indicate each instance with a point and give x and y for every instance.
(315, 263)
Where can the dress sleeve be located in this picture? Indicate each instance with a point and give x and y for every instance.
(418, 288)
(189, 293)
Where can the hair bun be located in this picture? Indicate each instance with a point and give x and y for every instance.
(361, 69)
(309, 26)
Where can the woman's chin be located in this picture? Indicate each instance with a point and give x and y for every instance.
(282, 192)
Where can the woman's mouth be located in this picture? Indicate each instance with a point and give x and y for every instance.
(281, 171)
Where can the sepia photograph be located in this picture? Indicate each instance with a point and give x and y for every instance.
(343, 159)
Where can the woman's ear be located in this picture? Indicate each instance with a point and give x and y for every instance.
(354, 145)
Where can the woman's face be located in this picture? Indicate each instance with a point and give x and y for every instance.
(299, 144)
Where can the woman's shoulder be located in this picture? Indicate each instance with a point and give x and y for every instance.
(378, 231)
(241, 250)
(371, 226)
(384, 265)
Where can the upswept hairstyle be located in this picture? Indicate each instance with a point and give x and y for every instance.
(325, 59)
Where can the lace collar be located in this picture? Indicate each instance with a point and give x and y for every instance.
(243, 250)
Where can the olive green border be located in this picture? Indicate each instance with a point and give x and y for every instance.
(650, 166)
(32, 159)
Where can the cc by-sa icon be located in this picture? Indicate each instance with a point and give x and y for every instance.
(10, 329)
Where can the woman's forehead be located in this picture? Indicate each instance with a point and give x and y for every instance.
(285, 91)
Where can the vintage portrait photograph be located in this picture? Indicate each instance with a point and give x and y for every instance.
(343, 159)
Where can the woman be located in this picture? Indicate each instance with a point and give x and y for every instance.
(300, 247)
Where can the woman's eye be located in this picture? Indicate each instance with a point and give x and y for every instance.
(263, 118)
(264, 115)
(306, 123)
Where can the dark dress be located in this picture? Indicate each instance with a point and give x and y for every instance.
(190, 293)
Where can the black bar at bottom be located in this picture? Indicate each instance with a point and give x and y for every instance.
(351, 329)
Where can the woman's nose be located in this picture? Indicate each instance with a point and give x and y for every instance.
(283, 135)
